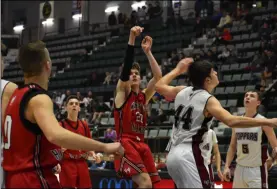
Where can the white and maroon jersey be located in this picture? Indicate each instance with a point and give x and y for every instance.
(251, 146)
(209, 139)
(190, 122)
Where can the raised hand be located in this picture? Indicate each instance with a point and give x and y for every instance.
(136, 31)
(183, 65)
(146, 44)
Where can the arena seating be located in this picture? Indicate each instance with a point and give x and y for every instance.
(72, 67)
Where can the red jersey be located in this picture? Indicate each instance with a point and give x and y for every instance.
(78, 127)
(131, 118)
(25, 147)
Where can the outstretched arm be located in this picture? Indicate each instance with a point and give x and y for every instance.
(123, 86)
(215, 109)
(156, 70)
(163, 86)
(40, 110)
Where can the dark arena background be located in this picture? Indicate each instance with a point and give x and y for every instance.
(87, 42)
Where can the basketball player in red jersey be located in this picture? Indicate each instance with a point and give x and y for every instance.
(31, 133)
(130, 115)
(74, 169)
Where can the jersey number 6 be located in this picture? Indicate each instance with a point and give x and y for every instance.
(7, 132)
(185, 117)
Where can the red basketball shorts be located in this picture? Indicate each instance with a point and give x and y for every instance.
(74, 173)
(31, 179)
(137, 159)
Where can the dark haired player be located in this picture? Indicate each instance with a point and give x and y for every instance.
(74, 169)
(31, 133)
(194, 109)
(130, 115)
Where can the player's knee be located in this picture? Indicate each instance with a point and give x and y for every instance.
(146, 184)
(143, 180)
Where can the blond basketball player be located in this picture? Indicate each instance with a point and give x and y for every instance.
(7, 89)
(195, 107)
(251, 147)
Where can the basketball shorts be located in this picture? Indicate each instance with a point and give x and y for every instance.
(137, 159)
(32, 179)
(74, 173)
(186, 167)
(250, 177)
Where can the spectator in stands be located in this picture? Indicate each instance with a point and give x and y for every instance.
(99, 108)
(174, 57)
(64, 96)
(157, 117)
(150, 11)
(99, 162)
(58, 100)
(143, 83)
(157, 10)
(224, 55)
(199, 27)
(87, 100)
(171, 21)
(225, 20)
(210, 56)
(268, 67)
(110, 163)
(110, 135)
(197, 7)
(120, 18)
(142, 13)
(210, 8)
(133, 18)
(112, 19)
(107, 78)
(265, 30)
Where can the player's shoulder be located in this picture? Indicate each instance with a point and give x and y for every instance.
(39, 99)
(8, 87)
(260, 116)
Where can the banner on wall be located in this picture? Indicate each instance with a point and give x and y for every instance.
(76, 6)
(46, 10)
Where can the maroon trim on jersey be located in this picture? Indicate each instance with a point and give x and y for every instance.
(199, 160)
(264, 157)
(36, 160)
(263, 176)
(120, 108)
(202, 170)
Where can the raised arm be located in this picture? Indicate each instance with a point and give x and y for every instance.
(123, 87)
(40, 110)
(215, 109)
(163, 87)
(230, 156)
(156, 70)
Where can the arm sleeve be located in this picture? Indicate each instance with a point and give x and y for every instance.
(128, 62)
